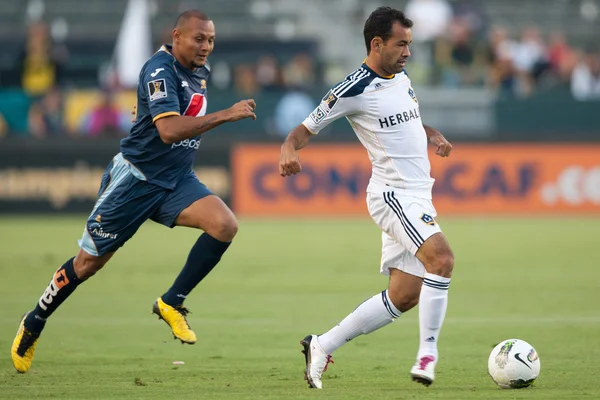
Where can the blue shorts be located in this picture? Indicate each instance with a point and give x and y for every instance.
(126, 201)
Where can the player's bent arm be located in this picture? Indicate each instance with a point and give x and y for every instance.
(444, 148)
(298, 137)
(430, 131)
(289, 162)
(175, 128)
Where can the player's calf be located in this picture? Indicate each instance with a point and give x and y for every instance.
(404, 290)
(86, 265)
(437, 257)
(63, 283)
(220, 226)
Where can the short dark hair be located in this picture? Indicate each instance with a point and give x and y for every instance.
(189, 14)
(380, 24)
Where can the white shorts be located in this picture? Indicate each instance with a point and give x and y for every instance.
(407, 222)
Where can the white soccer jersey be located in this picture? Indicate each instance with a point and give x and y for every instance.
(384, 114)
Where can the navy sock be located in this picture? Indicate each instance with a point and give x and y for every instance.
(63, 283)
(205, 254)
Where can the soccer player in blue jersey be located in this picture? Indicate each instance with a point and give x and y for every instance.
(152, 178)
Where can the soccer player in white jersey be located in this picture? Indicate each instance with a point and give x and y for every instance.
(381, 106)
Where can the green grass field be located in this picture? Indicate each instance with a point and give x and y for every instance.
(533, 279)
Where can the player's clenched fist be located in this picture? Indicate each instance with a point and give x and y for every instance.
(242, 109)
(443, 146)
(289, 162)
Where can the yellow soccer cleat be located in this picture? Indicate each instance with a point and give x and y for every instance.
(175, 318)
(23, 348)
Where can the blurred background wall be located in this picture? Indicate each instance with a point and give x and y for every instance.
(515, 84)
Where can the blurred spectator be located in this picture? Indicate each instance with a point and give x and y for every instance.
(3, 126)
(106, 119)
(501, 70)
(165, 37)
(220, 75)
(558, 50)
(431, 18)
(529, 58)
(459, 56)
(41, 61)
(473, 15)
(299, 72)
(46, 115)
(291, 110)
(245, 83)
(585, 81)
(268, 74)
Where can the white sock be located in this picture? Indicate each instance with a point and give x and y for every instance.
(433, 303)
(372, 314)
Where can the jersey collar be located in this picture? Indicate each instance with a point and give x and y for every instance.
(167, 48)
(365, 66)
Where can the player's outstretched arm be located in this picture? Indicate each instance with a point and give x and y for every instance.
(435, 137)
(289, 162)
(173, 129)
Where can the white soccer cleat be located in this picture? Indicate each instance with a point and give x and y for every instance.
(423, 371)
(316, 361)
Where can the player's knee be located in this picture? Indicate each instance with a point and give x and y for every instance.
(226, 229)
(442, 265)
(87, 266)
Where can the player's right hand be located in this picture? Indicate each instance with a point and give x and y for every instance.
(289, 162)
(133, 114)
(242, 109)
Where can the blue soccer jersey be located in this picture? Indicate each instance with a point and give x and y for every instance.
(149, 179)
(165, 88)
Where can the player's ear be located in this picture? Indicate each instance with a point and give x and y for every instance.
(376, 44)
(176, 34)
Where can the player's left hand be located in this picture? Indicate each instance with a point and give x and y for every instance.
(443, 146)
(133, 114)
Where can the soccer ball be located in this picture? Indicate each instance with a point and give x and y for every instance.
(514, 364)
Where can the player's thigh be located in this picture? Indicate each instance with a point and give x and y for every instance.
(410, 221)
(396, 256)
(193, 205)
(124, 203)
(176, 210)
(211, 215)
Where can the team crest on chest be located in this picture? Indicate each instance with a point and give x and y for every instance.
(412, 95)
